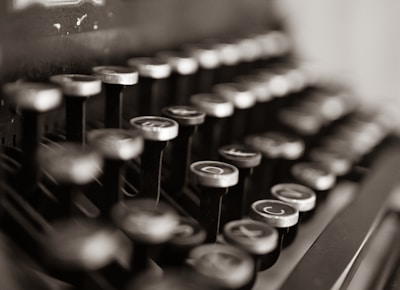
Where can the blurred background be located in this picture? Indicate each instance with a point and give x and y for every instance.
(357, 41)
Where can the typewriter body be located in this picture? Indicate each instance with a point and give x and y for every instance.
(185, 145)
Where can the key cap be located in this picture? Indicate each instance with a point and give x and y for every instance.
(212, 179)
(33, 100)
(242, 99)
(77, 89)
(224, 266)
(333, 160)
(229, 58)
(245, 159)
(275, 44)
(259, 113)
(77, 247)
(146, 225)
(217, 110)
(299, 196)
(188, 118)
(153, 73)
(157, 131)
(187, 235)
(256, 238)
(69, 168)
(184, 67)
(116, 146)
(250, 51)
(315, 176)
(278, 214)
(279, 151)
(115, 78)
(208, 59)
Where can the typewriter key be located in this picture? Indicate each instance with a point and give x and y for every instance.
(256, 238)
(153, 73)
(242, 99)
(188, 119)
(146, 225)
(114, 78)
(116, 146)
(77, 89)
(333, 160)
(279, 150)
(229, 58)
(187, 235)
(208, 59)
(212, 179)
(184, 68)
(156, 132)
(69, 167)
(278, 214)
(315, 176)
(32, 100)
(260, 112)
(245, 159)
(217, 111)
(299, 196)
(225, 266)
(76, 247)
(250, 51)
(275, 44)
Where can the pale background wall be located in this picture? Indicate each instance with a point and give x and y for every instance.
(358, 40)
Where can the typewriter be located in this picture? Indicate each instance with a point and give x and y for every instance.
(185, 145)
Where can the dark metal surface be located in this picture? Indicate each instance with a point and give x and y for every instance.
(335, 252)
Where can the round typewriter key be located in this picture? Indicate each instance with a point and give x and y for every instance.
(188, 118)
(243, 99)
(156, 128)
(213, 105)
(258, 239)
(69, 167)
(229, 57)
(210, 135)
(184, 115)
(153, 73)
(259, 114)
(116, 146)
(299, 196)
(156, 132)
(278, 214)
(250, 53)
(279, 151)
(275, 213)
(75, 247)
(77, 89)
(245, 159)
(187, 235)
(208, 59)
(225, 266)
(115, 78)
(32, 100)
(146, 225)
(78, 85)
(274, 44)
(315, 176)
(239, 95)
(184, 68)
(333, 160)
(212, 178)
